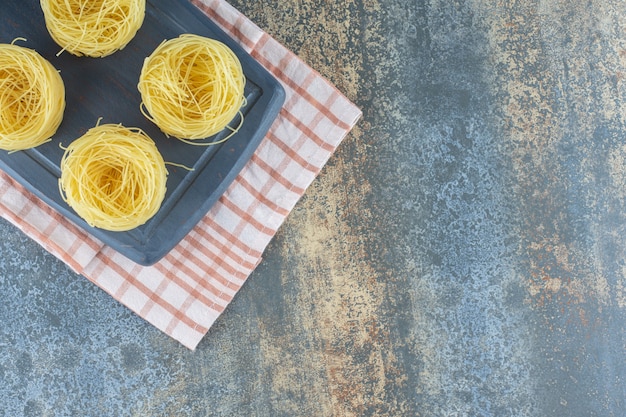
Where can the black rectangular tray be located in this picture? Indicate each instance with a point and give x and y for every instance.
(107, 88)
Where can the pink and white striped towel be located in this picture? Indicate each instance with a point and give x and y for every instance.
(185, 292)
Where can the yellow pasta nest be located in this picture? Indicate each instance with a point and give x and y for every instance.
(94, 28)
(192, 87)
(32, 98)
(113, 177)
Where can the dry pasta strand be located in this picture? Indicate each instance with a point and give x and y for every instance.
(192, 87)
(113, 177)
(32, 98)
(185, 167)
(95, 28)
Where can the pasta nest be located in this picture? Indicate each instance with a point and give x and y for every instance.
(113, 177)
(192, 87)
(94, 28)
(32, 98)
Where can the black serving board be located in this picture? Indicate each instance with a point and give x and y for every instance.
(107, 88)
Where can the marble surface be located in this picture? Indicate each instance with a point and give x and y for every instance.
(462, 254)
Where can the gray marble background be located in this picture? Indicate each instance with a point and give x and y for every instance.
(462, 254)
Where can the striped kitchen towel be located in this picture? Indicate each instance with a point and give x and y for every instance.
(185, 292)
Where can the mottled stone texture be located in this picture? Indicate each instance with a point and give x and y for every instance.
(462, 254)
